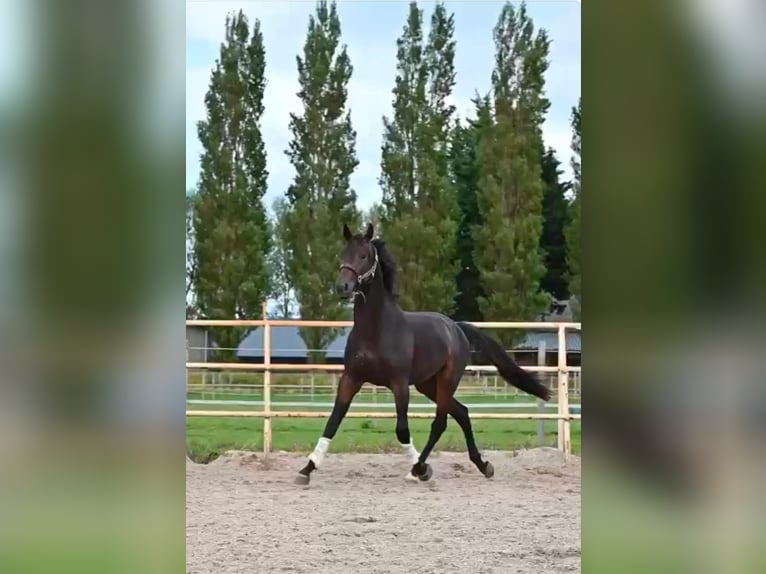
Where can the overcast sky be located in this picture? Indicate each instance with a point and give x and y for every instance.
(370, 29)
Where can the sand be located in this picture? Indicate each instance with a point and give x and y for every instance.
(359, 515)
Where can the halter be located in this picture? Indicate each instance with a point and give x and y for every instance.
(364, 277)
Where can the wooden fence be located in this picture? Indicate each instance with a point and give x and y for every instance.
(563, 416)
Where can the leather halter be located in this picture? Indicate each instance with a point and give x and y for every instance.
(366, 276)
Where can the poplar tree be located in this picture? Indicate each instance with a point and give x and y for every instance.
(231, 231)
(510, 189)
(573, 232)
(420, 210)
(320, 199)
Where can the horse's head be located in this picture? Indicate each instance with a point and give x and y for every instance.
(358, 262)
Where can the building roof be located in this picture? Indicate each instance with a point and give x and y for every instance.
(551, 338)
(286, 343)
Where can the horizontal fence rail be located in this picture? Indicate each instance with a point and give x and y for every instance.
(538, 325)
(374, 415)
(267, 413)
(326, 405)
(339, 368)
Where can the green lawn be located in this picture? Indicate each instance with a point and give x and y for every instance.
(382, 401)
(208, 437)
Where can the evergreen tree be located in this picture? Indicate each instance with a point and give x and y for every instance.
(420, 211)
(231, 232)
(320, 199)
(279, 258)
(573, 236)
(510, 189)
(555, 221)
(465, 177)
(190, 303)
(375, 216)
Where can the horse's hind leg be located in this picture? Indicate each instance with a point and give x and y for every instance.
(459, 412)
(443, 389)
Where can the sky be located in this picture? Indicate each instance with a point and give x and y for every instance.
(370, 30)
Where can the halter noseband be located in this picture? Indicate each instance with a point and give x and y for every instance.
(366, 276)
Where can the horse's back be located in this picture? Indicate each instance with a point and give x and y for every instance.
(431, 322)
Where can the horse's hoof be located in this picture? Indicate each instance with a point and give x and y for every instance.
(411, 477)
(489, 470)
(302, 479)
(427, 474)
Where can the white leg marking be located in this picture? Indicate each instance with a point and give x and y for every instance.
(411, 452)
(319, 451)
(413, 455)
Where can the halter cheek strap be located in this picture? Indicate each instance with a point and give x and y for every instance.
(367, 275)
(370, 273)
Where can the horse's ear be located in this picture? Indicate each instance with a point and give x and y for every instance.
(369, 232)
(346, 232)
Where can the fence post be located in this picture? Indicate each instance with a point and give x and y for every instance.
(564, 441)
(541, 362)
(266, 383)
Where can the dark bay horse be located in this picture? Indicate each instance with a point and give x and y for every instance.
(392, 348)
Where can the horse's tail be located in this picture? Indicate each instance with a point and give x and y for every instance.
(507, 368)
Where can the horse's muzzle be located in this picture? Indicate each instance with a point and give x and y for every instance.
(344, 289)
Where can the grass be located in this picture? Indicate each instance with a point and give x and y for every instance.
(209, 437)
(383, 402)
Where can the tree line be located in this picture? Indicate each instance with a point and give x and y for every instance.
(474, 209)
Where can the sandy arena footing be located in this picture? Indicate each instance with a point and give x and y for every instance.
(359, 515)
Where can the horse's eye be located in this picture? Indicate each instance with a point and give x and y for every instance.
(364, 256)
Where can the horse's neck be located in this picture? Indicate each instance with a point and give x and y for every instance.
(369, 309)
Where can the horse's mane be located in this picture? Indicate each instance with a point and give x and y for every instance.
(387, 265)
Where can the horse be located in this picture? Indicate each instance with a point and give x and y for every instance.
(398, 349)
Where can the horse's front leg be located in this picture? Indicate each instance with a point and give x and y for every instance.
(401, 392)
(348, 387)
